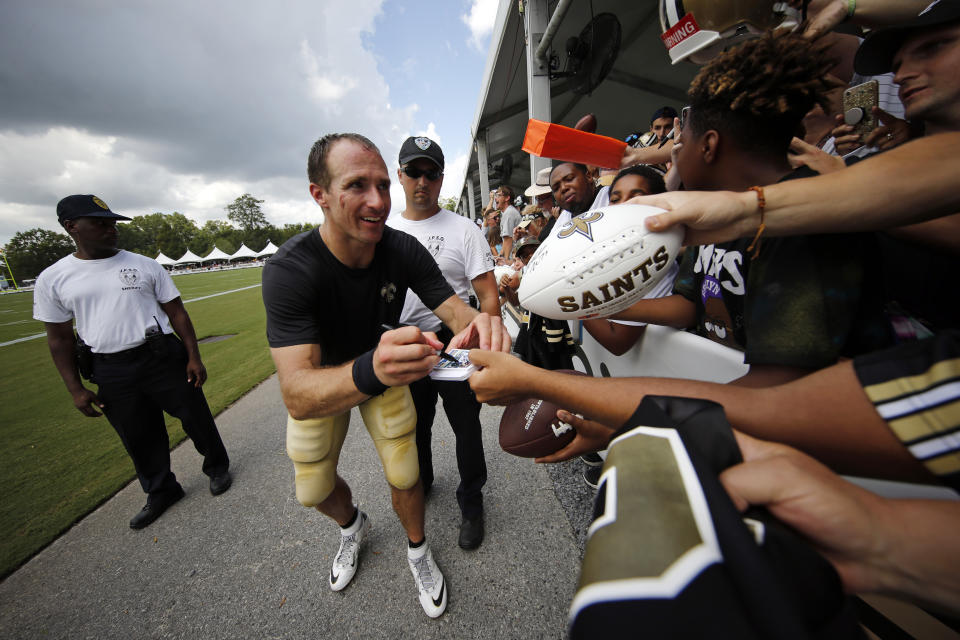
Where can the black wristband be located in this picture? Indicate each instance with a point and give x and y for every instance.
(363, 376)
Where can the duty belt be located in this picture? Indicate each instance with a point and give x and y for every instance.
(123, 355)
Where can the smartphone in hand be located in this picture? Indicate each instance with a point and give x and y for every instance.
(858, 104)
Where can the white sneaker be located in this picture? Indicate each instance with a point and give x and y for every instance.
(592, 459)
(345, 562)
(591, 475)
(430, 583)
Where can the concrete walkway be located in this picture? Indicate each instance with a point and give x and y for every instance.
(253, 563)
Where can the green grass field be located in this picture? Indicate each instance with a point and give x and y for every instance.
(57, 465)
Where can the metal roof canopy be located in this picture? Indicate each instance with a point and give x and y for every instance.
(641, 81)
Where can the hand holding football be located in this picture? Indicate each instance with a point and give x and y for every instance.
(530, 428)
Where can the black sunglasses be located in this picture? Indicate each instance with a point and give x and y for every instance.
(414, 174)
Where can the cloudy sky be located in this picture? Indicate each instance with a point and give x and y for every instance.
(183, 105)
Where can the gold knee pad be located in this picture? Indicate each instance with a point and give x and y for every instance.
(314, 446)
(391, 421)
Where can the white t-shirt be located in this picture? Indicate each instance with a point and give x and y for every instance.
(602, 199)
(113, 300)
(461, 252)
(509, 220)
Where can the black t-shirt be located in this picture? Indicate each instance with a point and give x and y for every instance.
(914, 278)
(313, 298)
(804, 302)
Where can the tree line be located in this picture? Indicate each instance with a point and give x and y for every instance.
(30, 252)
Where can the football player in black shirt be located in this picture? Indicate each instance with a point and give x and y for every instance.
(332, 296)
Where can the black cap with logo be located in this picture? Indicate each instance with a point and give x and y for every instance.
(85, 206)
(421, 147)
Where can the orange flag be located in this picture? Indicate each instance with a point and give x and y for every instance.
(549, 140)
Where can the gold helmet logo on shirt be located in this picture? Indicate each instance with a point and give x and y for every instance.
(388, 292)
(580, 224)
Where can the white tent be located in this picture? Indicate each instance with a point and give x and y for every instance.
(164, 260)
(244, 252)
(188, 257)
(268, 250)
(215, 254)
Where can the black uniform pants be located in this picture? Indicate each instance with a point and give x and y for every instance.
(136, 387)
(463, 412)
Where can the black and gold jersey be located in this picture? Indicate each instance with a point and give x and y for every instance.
(669, 556)
(915, 387)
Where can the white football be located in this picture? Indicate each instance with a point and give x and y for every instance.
(599, 263)
(502, 270)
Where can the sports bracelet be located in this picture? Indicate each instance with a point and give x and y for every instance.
(761, 204)
(364, 378)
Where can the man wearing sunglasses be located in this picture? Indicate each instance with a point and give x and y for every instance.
(460, 250)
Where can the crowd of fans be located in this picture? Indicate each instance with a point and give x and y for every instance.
(860, 312)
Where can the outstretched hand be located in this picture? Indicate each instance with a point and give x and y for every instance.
(839, 518)
(804, 153)
(484, 332)
(500, 378)
(713, 216)
(822, 15)
(591, 436)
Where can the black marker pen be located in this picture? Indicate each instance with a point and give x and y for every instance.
(443, 354)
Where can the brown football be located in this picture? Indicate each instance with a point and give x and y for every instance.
(530, 428)
(587, 123)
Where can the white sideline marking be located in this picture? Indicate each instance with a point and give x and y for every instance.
(212, 295)
(222, 293)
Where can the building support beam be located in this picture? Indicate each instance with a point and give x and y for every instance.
(470, 204)
(483, 167)
(536, 16)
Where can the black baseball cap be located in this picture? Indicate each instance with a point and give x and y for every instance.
(421, 147)
(875, 55)
(664, 112)
(85, 206)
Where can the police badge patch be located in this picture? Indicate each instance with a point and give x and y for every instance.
(435, 245)
(129, 277)
(423, 143)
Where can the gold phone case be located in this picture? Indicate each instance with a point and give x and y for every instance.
(863, 96)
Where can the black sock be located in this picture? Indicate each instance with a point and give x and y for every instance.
(356, 514)
(416, 545)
